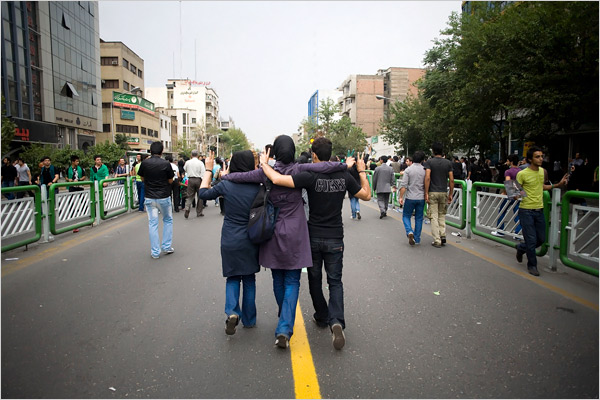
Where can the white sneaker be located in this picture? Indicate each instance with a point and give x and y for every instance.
(496, 233)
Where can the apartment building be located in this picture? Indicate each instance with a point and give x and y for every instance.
(124, 108)
(51, 72)
(358, 102)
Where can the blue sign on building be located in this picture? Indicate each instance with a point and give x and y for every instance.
(313, 107)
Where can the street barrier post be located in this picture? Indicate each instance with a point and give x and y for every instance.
(18, 216)
(553, 243)
(70, 206)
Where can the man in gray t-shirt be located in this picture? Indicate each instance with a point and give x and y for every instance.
(413, 184)
(438, 171)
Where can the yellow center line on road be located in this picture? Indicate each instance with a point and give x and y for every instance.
(306, 383)
(526, 275)
(11, 267)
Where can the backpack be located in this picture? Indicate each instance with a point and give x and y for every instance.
(261, 221)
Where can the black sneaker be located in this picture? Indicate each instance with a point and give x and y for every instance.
(519, 256)
(443, 240)
(411, 239)
(231, 323)
(282, 341)
(358, 214)
(381, 215)
(319, 323)
(533, 271)
(338, 337)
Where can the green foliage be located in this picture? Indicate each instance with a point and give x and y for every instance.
(346, 137)
(8, 130)
(532, 64)
(121, 140)
(233, 140)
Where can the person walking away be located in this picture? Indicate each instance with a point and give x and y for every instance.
(239, 256)
(9, 176)
(383, 181)
(175, 184)
(354, 201)
(413, 184)
(288, 251)
(326, 231)
(195, 170)
(139, 184)
(457, 169)
(531, 210)
(24, 177)
(438, 171)
(157, 175)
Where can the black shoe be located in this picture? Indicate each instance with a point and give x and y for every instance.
(231, 323)
(338, 337)
(282, 341)
(319, 323)
(358, 214)
(187, 214)
(519, 256)
(533, 271)
(436, 245)
(443, 240)
(411, 239)
(381, 215)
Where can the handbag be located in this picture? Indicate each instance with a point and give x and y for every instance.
(261, 221)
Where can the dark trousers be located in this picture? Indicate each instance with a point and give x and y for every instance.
(175, 188)
(140, 191)
(192, 191)
(533, 225)
(20, 195)
(331, 253)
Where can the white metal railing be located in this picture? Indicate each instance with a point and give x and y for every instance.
(583, 238)
(114, 197)
(72, 206)
(498, 213)
(455, 207)
(18, 217)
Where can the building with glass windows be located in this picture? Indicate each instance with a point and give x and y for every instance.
(51, 72)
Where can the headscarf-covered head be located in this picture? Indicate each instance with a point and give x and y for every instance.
(284, 149)
(242, 161)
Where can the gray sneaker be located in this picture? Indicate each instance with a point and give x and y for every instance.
(231, 323)
(170, 251)
(338, 337)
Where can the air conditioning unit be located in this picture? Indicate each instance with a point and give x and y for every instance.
(115, 63)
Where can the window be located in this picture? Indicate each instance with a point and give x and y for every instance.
(143, 131)
(133, 68)
(161, 123)
(125, 63)
(193, 120)
(94, 101)
(126, 128)
(66, 21)
(106, 105)
(109, 60)
(110, 84)
(140, 73)
(184, 118)
(69, 90)
(105, 127)
(125, 85)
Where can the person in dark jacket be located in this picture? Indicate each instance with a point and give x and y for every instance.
(239, 256)
(288, 251)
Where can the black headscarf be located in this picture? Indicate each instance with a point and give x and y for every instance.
(242, 161)
(284, 149)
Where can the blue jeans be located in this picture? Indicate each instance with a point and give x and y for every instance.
(503, 214)
(9, 196)
(152, 207)
(331, 253)
(533, 225)
(140, 190)
(354, 206)
(286, 286)
(417, 206)
(232, 298)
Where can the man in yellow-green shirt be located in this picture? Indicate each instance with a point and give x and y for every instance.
(531, 210)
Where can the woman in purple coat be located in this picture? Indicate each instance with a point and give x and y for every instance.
(288, 251)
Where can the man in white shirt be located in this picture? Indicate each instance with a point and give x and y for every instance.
(195, 171)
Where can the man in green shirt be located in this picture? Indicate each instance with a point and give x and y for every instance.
(99, 171)
(531, 209)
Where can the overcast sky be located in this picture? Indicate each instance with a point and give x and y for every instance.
(265, 59)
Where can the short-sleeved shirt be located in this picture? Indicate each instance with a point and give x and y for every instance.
(414, 182)
(9, 173)
(99, 173)
(440, 167)
(533, 184)
(326, 194)
(156, 172)
(22, 171)
(512, 173)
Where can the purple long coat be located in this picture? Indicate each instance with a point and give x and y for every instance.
(290, 246)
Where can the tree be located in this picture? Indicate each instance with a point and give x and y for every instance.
(327, 111)
(8, 130)
(234, 140)
(121, 139)
(346, 137)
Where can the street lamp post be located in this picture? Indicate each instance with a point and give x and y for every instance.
(380, 97)
(112, 122)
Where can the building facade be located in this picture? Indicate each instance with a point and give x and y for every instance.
(315, 102)
(358, 102)
(51, 72)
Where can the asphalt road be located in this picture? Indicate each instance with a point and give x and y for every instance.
(91, 315)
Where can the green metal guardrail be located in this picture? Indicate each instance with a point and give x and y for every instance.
(565, 203)
(37, 215)
(52, 205)
(463, 206)
(101, 197)
(547, 202)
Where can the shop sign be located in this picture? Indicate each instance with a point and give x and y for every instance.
(375, 139)
(133, 101)
(126, 114)
(34, 131)
(133, 140)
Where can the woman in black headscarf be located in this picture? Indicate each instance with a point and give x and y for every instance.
(239, 256)
(288, 251)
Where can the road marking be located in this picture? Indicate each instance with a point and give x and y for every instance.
(12, 267)
(306, 383)
(526, 275)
